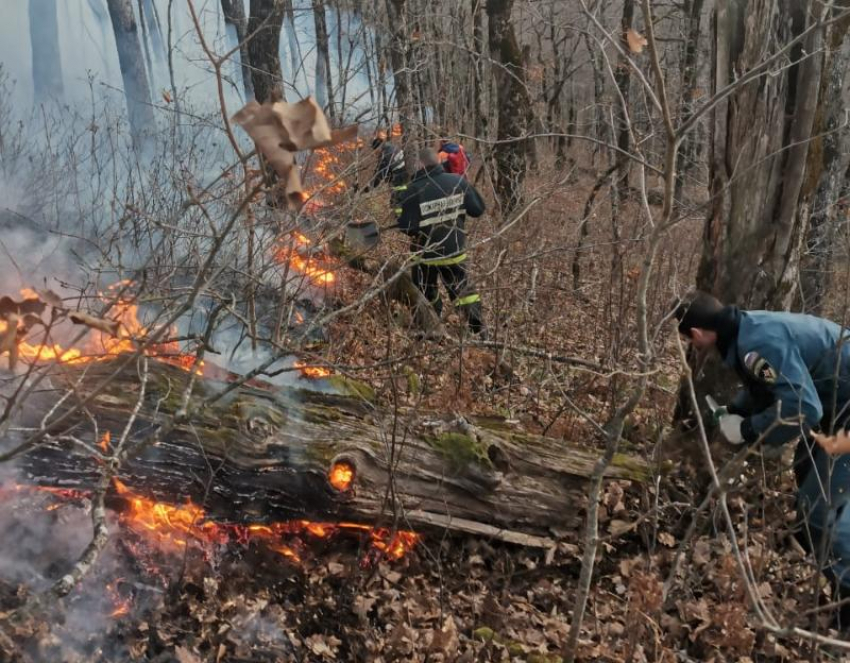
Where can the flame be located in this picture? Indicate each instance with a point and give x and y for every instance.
(312, 371)
(100, 346)
(341, 476)
(291, 252)
(104, 442)
(171, 528)
(122, 604)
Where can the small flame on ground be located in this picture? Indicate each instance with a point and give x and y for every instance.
(341, 476)
(312, 371)
(104, 442)
(101, 346)
(172, 527)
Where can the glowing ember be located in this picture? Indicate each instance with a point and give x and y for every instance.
(312, 371)
(341, 476)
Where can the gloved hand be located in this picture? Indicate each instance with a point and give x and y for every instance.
(730, 426)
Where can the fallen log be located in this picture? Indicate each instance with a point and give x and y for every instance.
(323, 452)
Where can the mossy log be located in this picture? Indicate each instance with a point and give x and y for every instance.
(265, 453)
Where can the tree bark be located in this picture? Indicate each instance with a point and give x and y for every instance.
(512, 102)
(265, 24)
(234, 14)
(324, 84)
(753, 235)
(46, 58)
(480, 81)
(826, 168)
(399, 54)
(136, 87)
(266, 453)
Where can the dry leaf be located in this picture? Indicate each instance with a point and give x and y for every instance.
(101, 324)
(280, 129)
(50, 298)
(635, 40)
(445, 640)
(184, 655)
(667, 539)
(9, 340)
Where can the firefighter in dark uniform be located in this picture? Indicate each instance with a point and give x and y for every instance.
(433, 213)
(796, 374)
(391, 165)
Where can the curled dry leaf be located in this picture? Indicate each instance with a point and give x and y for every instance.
(50, 298)
(834, 444)
(101, 324)
(635, 40)
(280, 129)
(9, 340)
(9, 306)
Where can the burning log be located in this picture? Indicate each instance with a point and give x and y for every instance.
(326, 454)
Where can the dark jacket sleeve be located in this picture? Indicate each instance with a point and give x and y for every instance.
(408, 220)
(796, 401)
(382, 170)
(472, 201)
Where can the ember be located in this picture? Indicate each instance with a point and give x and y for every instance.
(341, 476)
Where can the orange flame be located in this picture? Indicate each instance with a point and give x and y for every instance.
(171, 528)
(104, 442)
(312, 371)
(341, 476)
(100, 346)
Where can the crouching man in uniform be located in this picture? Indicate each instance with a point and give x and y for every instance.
(433, 213)
(795, 370)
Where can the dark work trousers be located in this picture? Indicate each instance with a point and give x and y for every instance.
(823, 491)
(427, 277)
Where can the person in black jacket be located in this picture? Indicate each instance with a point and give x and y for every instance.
(391, 166)
(433, 213)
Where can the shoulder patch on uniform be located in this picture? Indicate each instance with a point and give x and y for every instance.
(760, 368)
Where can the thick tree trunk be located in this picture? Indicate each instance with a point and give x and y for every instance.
(623, 80)
(234, 14)
(267, 453)
(136, 88)
(826, 169)
(688, 72)
(324, 84)
(399, 54)
(760, 147)
(46, 59)
(512, 101)
(480, 81)
(266, 21)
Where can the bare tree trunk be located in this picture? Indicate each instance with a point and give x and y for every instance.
(264, 49)
(512, 102)
(689, 80)
(136, 88)
(324, 84)
(828, 160)
(480, 90)
(46, 59)
(623, 80)
(399, 51)
(234, 14)
(760, 144)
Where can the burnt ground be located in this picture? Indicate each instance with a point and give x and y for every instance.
(459, 598)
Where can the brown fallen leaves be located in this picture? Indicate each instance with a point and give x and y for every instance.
(281, 129)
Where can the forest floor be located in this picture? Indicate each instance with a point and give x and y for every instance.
(460, 598)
